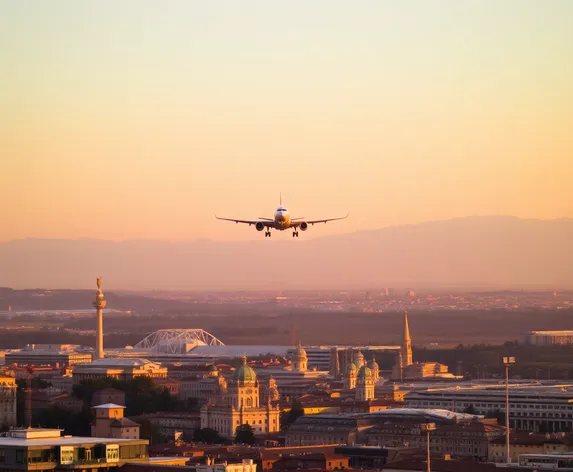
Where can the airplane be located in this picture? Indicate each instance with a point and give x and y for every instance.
(281, 222)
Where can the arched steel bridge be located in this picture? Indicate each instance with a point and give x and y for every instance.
(176, 341)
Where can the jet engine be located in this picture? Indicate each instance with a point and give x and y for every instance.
(303, 226)
(260, 226)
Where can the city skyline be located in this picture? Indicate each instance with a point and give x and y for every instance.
(129, 120)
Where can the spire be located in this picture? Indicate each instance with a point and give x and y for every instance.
(407, 344)
(244, 358)
(406, 328)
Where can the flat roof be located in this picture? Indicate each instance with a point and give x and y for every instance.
(65, 441)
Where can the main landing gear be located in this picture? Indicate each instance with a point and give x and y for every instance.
(295, 234)
(267, 234)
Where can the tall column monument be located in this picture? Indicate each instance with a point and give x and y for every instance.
(99, 305)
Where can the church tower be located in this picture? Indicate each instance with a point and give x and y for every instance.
(407, 344)
(350, 378)
(299, 359)
(364, 385)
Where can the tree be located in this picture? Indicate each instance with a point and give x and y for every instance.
(207, 436)
(148, 430)
(245, 435)
(295, 412)
(470, 409)
(500, 415)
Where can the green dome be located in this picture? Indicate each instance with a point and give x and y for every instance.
(213, 368)
(364, 372)
(373, 365)
(351, 368)
(244, 373)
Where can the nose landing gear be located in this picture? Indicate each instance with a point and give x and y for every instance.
(295, 234)
(267, 234)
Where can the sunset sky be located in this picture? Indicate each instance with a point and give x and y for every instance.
(140, 119)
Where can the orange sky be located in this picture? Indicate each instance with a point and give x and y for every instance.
(135, 121)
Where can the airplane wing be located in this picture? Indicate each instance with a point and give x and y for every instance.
(313, 222)
(267, 223)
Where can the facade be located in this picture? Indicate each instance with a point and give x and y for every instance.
(313, 430)
(528, 443)
(57, 355)
(7, 400)
(110, 423)
(459, 440)
(246, 465)
(239, 405)
(46, 449)
(121, 369)
(364, 384)
(532, 407)
(547, 338)
(203, 387)
(171, 423)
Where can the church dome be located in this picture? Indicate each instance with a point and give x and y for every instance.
(373, 365)
(213, 368)
(245, 373)
(364, 372)
(351, 368)
(358, 357)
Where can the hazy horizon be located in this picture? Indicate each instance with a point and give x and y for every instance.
(139, 119)
(501, 252)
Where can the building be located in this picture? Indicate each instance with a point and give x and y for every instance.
(110, 423)
(171, 423)
(365, 384)
(532, 406)
(46, 449)
(326, 429)
(203, 387)
(406, 369)
(528, 443)
(8, 389)
(57, 355)
(469, 440)
(547, 338)
(121, 369)
(246, 465)
(239, 405)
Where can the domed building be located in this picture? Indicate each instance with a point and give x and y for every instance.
(375, 368)
(239, 405)
(359, 359)
(364, 384)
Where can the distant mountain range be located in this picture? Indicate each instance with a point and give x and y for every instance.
(472, 252)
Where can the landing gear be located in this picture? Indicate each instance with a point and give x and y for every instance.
(267, 234)
(295, 234)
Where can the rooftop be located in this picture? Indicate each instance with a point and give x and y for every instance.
(52, 437)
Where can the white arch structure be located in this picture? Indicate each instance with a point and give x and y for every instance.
(177, 341)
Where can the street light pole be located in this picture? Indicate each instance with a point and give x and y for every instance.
(507, 362)
(428, 428)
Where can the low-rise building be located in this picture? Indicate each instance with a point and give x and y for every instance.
(110, 423)
(58, 355)
(121, 369)
(528, 443)
(326, 429)
(533, 406)
(46, 449)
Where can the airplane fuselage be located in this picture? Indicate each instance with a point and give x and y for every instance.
(282, 219)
